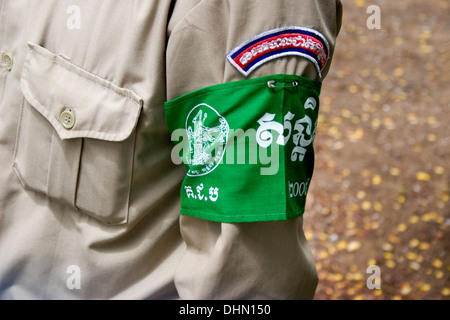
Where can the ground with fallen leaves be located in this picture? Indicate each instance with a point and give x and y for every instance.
(380, 191)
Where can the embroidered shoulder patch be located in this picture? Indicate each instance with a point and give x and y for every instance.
(292, 40)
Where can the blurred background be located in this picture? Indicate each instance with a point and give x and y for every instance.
(381, 187)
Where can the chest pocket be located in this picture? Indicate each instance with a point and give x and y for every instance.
(76, 136)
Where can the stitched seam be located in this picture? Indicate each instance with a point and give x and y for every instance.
(240, 215)
(83, 78)
(80, 133)
(228, 89)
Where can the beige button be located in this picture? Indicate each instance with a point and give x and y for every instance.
(7, 61)
(67, 119)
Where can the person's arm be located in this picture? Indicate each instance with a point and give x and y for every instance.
(254, 66)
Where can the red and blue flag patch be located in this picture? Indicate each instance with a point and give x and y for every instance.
(285, 41)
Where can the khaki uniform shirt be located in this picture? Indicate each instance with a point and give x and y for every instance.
(89, 194)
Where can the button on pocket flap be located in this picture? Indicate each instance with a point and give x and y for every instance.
(76, 102)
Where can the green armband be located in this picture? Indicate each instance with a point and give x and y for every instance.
(247, 147)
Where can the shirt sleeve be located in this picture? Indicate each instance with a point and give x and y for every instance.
(215, 45)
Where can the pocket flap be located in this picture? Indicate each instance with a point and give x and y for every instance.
(76, 102)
